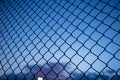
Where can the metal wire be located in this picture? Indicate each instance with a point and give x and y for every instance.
(60, 39)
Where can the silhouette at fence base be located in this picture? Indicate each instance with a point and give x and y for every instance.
(58, 72)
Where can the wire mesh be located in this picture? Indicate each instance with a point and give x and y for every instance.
(60, 39)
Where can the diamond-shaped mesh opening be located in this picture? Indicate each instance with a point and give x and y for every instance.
(60, 39)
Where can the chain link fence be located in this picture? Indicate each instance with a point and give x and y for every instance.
(60, 39)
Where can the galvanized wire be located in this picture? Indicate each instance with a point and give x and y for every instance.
(60, 39)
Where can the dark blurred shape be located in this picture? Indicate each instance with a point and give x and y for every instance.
(58, 73)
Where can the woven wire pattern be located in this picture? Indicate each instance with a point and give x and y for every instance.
(60, 39)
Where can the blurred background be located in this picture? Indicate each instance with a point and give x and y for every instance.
(60, 39)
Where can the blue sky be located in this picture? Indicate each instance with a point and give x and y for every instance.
(86, 35)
